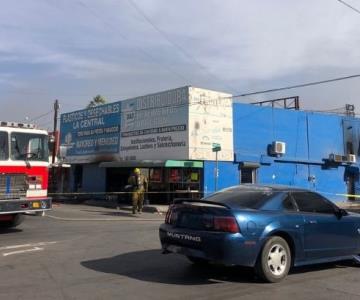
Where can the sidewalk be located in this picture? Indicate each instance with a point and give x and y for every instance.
(81, 212)
(152, 208)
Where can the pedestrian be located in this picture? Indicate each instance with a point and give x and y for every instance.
(138, 184)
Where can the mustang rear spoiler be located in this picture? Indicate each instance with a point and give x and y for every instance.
(200, 202)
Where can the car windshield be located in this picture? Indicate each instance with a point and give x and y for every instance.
(246, 198)
(4, 147)
(30, 147)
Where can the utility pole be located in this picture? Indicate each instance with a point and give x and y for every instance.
(56, 142)
(216, 171)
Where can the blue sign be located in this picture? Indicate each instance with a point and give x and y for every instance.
(94, 130)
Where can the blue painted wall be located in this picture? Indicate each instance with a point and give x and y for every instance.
(351, 128)
(310, 138)
(228, 175)
(94, 178)
(325, 135)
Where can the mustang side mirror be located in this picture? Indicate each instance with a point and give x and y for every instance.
(341, 213)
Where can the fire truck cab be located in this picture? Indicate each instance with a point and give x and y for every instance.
(24, 164)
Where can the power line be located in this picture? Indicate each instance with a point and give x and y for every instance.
(47, 124)
(176, 45)
(41, 116)
(285, 88)
(111, 27)
(297, 86)
(348, 5)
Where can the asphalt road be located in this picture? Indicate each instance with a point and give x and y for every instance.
(78, 252)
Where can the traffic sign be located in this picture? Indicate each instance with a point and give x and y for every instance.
(216, 147)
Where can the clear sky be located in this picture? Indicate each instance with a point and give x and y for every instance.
(74, 49)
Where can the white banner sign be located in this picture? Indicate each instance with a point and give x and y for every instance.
(210, 122)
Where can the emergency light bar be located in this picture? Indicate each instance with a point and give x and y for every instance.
(17, 125)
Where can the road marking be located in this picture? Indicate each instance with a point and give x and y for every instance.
(23, 251)
(27, 245)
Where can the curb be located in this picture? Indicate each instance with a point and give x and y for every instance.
(113, 205)
(106, 220)
(159, 209)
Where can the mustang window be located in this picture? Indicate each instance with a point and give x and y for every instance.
(4, 146)
(311, 202)
(244, 199)
(288, 204)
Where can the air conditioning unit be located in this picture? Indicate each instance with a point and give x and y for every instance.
(351, 158)
(336, 158)
(278, 148)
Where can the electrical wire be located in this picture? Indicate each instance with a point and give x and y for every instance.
(41, 116)
(118, 33)
(349, 6)
(264, 91)
(45, 124)
(297, 86)
(176, 45)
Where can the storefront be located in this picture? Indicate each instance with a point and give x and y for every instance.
(167, 135)
(170, 136)
(167, 180)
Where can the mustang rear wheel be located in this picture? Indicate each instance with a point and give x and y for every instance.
(274, 260)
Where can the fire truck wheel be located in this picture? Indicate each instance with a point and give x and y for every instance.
(17, 220)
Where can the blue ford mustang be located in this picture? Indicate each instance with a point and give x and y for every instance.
(270, 228)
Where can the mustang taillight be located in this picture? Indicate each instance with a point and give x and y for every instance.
(34, 182)
(226, 224)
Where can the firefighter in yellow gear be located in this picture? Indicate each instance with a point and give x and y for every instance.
(139, 184)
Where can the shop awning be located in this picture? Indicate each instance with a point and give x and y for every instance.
(184, 164)
(153, 164)
(252, 165)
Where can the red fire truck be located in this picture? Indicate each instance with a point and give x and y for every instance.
(24, 164)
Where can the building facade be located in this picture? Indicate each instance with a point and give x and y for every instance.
(171, 137)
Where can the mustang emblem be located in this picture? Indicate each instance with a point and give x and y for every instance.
(182, 236)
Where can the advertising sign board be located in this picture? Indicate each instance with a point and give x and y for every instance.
(179, 124)
(155, 126)
(91, 131)
(210, 122)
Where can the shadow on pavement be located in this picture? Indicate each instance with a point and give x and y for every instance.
(111, 213)
(323, 267)
(9, 230)
(152, 266)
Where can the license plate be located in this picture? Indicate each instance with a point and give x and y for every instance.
(36, 205)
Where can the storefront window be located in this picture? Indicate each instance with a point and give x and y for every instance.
(175, 175)
(191, 175)
(155, 175)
